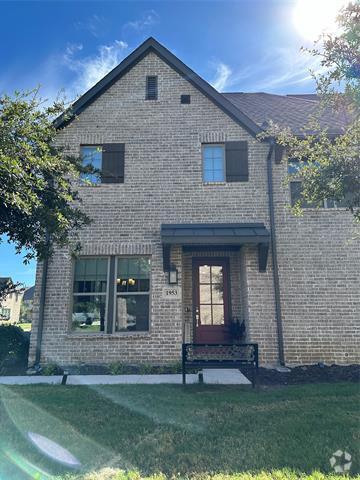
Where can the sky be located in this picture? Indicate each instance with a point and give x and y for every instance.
(242, 45)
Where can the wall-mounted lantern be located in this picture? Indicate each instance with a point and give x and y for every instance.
(173, 275)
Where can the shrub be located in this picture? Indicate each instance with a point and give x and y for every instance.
(51, 369)
(14, 346)
(118, 368)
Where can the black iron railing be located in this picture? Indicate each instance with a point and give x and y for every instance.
(232, 355)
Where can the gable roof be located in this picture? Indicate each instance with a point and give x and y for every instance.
(152, 45)
(291, 111)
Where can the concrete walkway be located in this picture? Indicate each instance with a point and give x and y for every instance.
(214, 377)
(224, 377)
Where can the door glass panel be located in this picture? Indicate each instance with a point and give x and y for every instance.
(218, 314)
(217, 293)
(204, 274)
(205, 294)
(205, 315)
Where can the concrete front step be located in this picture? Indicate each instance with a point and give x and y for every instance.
(224, 377)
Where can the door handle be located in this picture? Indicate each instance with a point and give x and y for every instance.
(197, 315)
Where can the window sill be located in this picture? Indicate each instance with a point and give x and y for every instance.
(77, 335)
(207, 184)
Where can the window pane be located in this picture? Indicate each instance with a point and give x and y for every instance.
(205, 294)
(217, 293)
(92, 155)
(204, 271)
(90, 275)
(132, 313)
(133, 274)
(88, 313)
(205, 314)
(213, 163)
(218, 314)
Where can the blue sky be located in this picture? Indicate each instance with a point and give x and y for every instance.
(244, 45)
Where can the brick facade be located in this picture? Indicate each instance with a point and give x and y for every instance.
(319, 270)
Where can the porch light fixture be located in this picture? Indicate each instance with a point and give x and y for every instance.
(173, 276)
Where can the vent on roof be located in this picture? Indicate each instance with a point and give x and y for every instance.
(151, 88)
(185, 99)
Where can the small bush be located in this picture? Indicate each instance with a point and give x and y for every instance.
(14, 346)
(51, 369)
(145, 369)
(118, 368)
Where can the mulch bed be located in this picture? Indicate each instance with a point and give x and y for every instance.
(310, 374)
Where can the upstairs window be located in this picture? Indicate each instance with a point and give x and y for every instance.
(92, 155)
(151, 87)
(213, 163)
(108, 159)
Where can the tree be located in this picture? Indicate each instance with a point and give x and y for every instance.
(39, 203)
(329, 165)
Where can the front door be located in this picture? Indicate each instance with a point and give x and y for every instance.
(211, 300)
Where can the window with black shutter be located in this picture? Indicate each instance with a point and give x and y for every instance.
(151, 87)
(237, 163)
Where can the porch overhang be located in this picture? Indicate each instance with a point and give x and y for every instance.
(216, 234)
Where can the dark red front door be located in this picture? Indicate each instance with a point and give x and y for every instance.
(211, 300)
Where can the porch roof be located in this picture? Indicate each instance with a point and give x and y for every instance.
(214, 233)
(205, 234)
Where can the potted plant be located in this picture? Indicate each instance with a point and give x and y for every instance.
(237, 329)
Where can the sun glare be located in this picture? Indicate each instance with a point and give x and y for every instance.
(314, 17)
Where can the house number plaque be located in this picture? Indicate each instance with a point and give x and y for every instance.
(171, 293)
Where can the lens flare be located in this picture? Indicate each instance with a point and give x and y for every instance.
(53, 450)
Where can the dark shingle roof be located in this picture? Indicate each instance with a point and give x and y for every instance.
(29, 293)
(291, 111)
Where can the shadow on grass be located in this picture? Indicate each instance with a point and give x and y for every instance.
(177, 430)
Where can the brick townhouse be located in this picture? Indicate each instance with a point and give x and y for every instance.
(192, 235)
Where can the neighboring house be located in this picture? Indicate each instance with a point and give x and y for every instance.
(191, 229)
(27, 305)
(10, 307)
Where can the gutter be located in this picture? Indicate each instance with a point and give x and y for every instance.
(275, 268)
(42, 307)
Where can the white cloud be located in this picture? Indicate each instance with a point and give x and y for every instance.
(94, 24)
(222, 77)
(277, 72)
(146, 21)
(89, 70)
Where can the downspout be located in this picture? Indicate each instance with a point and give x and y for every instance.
(42, 306)
(274, 255)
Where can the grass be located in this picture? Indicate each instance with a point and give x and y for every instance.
(189, 431)
(25, 326)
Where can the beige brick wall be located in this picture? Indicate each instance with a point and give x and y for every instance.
(163, 184)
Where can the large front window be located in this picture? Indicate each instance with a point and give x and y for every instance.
(119, 303)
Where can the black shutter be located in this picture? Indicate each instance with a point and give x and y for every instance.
(113, 162)
(237, 164)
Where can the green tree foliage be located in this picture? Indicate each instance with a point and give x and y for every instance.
(329, 165)
(39, 203)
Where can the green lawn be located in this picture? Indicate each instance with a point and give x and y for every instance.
(25, 326)
(176, 430)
